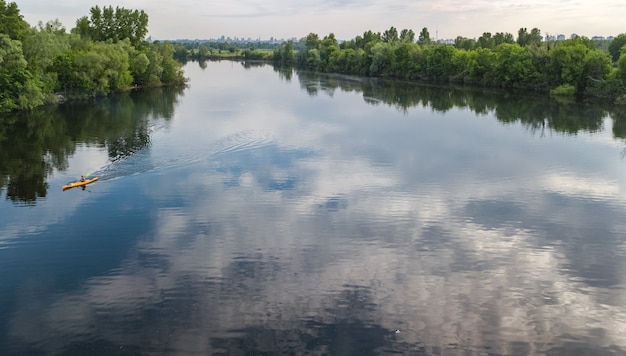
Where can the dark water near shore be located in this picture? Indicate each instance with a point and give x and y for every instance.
(260, 211)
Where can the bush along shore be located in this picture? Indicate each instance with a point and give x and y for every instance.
(577, 67)
(106, 52)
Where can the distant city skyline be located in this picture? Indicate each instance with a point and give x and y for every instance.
(346, 19)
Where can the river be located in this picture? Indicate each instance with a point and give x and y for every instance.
(268, 211)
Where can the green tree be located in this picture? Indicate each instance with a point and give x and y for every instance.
(464, 43)
(514, 66)
(407, 36)
(383, 57)
(328, 48)
(503, 37)
(40, 49)
(369, 37)
(480, 65)
(615, 47)
(406, 63)
(596, 71)
(18, 88)
(390, 35)
(99, 69)
(114, 24)
(424, 37)
(11, 22)
(313, 59)
(151, 76)
(285, 55)
(567, 64)
(621, 69)
(312, 40)
(486, 41)
(172, 73)
(440, 62)
(203, 51)
(524, 38)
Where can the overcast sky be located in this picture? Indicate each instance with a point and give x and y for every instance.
(200, 19)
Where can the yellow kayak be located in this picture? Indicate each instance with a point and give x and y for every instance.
(79, 183)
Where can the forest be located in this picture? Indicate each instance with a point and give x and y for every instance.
(107, 52)
(573, 67)
(104, 53)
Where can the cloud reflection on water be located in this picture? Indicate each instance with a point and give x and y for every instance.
(360, 244)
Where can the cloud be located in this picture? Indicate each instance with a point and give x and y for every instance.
(347, 19)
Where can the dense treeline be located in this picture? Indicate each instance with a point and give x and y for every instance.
(570, 67)
(203, 50)
(104, 53)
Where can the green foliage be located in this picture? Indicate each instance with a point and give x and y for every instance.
(407, 64)
(103, 54)
(312, 41)
(382, 58)
(566, 63)
(12, 23)
(476, 66)
(615, 47)
(390, 35)
(564, 90)
(424, 37)
(496, 61)
(486, 41)
(620, 73)
(18, 88)
(285, 55)
(524, 38)
(597, 65)
(171, 70)
(439, 62)
(313, 59)
(514, 66)
(40, 49)
(503, 37)
(407, 36)
(114, 24)
(97, 70)
(464, 43)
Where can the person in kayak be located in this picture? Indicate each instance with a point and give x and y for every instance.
(82, 178)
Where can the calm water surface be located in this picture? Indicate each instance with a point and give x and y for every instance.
(268, 212)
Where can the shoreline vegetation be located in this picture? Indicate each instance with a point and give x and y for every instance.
(104, 53)
(107, 52)
(578, 67)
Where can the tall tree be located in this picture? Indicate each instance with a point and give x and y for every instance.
(621, 67)
(390, 35)
(407, 36)
(424, 37)
(18, 88)
(503, 37)
(114, 24)
(616, 45)
(312, 40)
(486, 41)
(11, 22)
(525, 38)
(461, 42)
(40, 49)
